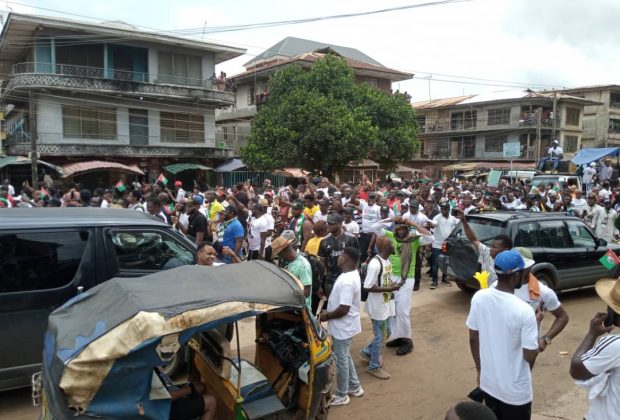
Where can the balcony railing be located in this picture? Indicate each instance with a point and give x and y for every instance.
(114, 74)
(530, 119)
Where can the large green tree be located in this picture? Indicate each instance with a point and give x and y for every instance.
(321, 120)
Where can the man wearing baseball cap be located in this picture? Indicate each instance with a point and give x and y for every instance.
(196, 228)
(231, 232)
(503, 337)
(596, 363)
(284, 247)
(180, 191)
(331, 247)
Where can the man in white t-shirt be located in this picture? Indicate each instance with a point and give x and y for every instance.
(343, 317)
(371, 214)
(486, 254)
(580, 205)
(540, 298)
(443, 224)
(379, 304)
(588, 174)
(596, 363)
(349, 224)
(258, 231)
(503, 337)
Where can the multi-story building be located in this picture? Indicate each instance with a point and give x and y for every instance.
(251, 86)
(601, 122)
(476, 127)
(110, 91)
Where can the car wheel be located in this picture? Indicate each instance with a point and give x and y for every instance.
(464, 288)
(176, 365)
(545, 279)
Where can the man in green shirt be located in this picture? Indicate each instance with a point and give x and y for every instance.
(293, 261)
(407, 238)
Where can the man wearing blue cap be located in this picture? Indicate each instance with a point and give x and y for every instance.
(503, 337)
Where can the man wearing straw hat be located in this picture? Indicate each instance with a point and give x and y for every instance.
(596, 363)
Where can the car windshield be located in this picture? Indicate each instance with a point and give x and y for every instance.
(485, 229)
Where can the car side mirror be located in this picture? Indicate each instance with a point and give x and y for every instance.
(601, 242)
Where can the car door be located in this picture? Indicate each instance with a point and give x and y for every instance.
(135, 252)
(39, 271)
(559, 251)
(588, 253)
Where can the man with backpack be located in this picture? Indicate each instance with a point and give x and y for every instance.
(379, 304)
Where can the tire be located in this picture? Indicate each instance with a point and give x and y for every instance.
(545, 279)
(464, 288)
(323, 410)
(176, 365)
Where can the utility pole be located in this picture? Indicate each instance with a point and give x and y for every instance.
(555, 113)
(33, 140)
(538, 139)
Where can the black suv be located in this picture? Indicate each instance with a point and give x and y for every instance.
(565, 249)
(48, 256)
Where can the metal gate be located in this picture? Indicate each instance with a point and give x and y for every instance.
(230, 179)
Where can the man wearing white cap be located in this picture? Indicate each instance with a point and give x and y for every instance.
(555, 155)
(596, 363)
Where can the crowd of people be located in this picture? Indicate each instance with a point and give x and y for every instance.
(367, 242)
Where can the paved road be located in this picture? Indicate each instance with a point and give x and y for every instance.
(440, 371)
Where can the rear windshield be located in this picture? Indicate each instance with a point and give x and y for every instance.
(485, 229)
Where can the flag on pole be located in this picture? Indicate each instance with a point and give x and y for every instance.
(162, 179)
(609, 260)
(120, 186)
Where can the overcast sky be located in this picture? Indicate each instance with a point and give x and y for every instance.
(540, 43)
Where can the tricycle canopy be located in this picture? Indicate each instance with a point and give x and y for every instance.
(112, 336)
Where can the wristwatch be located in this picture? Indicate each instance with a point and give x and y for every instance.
(547, 340)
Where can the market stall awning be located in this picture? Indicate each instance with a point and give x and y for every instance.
(22, 160)
(466, 166)
(588, 155)
(72, 169)
(231, 165)
(175, 168)
(291, 172)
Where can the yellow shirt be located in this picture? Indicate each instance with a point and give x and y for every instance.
(312, 247)
(213, 209)
(310, 212)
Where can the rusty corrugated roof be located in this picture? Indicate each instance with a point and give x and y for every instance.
(436, 103)
(71, 169)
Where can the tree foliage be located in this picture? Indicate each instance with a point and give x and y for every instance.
(322, 120)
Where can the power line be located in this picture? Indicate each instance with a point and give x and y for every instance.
(259, 25)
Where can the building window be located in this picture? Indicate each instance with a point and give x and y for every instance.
(614, 126)
(225, 132)
(371, 82)
(614, 100)
(463, 120)
(180, 69)
(499, 116)
(572, 116)
(436, 148)
(466, 146)
(570, 144)
(421, 119)
(88, 123)
(182, 128)
(251, 97)
(494, 144)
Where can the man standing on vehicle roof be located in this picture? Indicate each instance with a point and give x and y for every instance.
(343, 317)
(500, 320)
(586, 179)
(486, 254)
(540, 298)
